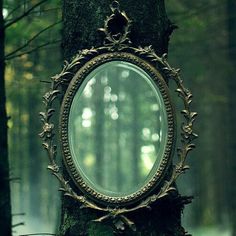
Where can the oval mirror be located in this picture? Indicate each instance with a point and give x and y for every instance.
(117, 125)
(117, 129)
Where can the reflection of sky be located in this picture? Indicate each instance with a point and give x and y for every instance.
(88, 90)
(110, 84)
(86, 116)
(148, 156)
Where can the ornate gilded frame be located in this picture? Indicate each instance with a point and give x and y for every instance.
(117, 46)
(73, 87)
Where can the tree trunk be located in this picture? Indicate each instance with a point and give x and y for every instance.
(5, 203)
(33, 153)
(231, 9)
(150, 25)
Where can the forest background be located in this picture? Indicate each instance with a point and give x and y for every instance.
(203, 46)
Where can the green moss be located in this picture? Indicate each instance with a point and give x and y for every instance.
(99, 229)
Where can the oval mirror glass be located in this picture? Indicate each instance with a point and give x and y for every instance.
(117, 128)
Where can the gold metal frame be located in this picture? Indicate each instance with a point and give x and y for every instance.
(117, 46)
(65, 110)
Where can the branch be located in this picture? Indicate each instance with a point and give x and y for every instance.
(14, 179)
(16, 8)
(32, 39)
(18, 214)
(18, 224)
(36, 12)
(46, 10)
(26, 13)
(32, 50)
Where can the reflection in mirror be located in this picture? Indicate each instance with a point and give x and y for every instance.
(117, 128)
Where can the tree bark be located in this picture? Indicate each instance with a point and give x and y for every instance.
(150, 26)
(231, 22)
(5, 203)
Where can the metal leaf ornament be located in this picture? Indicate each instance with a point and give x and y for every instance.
(116, 30)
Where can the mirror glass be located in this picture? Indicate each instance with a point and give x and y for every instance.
(117, 128)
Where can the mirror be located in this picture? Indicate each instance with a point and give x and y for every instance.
(117, 128)
(117, 125)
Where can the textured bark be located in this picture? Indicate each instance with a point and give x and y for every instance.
(150, 26)
(5, 203)
(231, 8)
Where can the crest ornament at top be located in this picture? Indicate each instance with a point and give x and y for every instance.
(116, 28)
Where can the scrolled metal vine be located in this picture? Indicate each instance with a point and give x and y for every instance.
(118, 42)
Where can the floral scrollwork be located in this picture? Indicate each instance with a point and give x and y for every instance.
(118, 42)
(47, 131)
(117, 215)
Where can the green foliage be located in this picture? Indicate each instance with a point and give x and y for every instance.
(34, 192)
(200, 48)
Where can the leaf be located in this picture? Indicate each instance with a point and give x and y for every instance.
(128, 222)
(43, 116)
(50, 113)
(180, 91)
(164, 57)
(102, 218)
(62, 189)
(66, 73)
(170, 189)
(166, 69)
(178, 70)
(186, 167)
(45, 145)
(119, 224)
(189, 147)
(193, 114)
(50, 167)
(164, 194)
(184, 112)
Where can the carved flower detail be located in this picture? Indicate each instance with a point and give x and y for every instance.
(47, 96)
(56, 77)
(188, 129)
(47, 130)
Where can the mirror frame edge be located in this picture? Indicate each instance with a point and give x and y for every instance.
(74, 85)
(118, 43)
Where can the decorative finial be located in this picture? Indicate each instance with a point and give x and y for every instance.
(116, 27)
(115, 6)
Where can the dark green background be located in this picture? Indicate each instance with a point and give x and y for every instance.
(204, 47)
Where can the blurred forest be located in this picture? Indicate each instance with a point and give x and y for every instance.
(203, 46)
(126, 128)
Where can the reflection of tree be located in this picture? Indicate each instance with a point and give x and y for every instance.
(119, 176)
(156, 131)
(117, 129)
(135, 129)
(99, 130)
